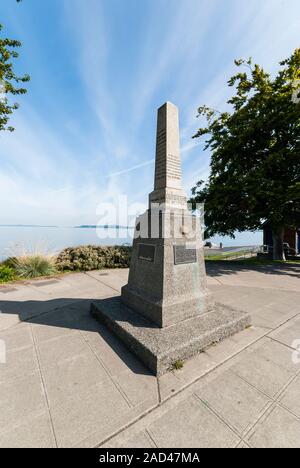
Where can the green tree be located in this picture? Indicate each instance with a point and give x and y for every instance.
(255, 154)
(9, 81)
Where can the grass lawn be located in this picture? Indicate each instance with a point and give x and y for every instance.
(228, 255)
(250, 261)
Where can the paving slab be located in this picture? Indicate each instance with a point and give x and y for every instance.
(19, 363)
(23, 303)
(221, 352)
(138, 385)
(279, 429)
(8, 320)
(140, 389)
(82, 286)
(191, 425)
(140, 440)
(100, 409)
(288, 333)
(111, 352)
(256, 303)
(277, 353)
(242, 445)
(274, 315)
(75, 293)
(64, 348)
(192, 370)
(35, 432)
(234, 400)
(291, 399)
(282, 277)
(182, 421)
(17, 338)
(227, 294)
(114, 279)
(49, 330)
(71, 376)
(261, 373)
(48, 287)
(21, 399)
(62, 322)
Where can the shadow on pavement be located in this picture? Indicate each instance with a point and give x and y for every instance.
(226, 267)
(72, 314)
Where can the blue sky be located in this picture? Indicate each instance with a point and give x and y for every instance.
(85, 132)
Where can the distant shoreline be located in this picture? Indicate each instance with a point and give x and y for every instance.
(87, 226)
(104, 226)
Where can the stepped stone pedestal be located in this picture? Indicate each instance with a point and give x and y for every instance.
(166, 313)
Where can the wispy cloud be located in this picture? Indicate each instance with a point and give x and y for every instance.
(132, 168)
(167, 46)
(86, 130)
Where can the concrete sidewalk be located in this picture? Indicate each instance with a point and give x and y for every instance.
(68, 382)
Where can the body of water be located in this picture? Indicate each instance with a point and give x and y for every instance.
(242, 239)
(14, 240)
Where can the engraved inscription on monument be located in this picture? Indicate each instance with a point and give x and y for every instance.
(184, 254)
(146, 252)
(161, 160)
(173, 167)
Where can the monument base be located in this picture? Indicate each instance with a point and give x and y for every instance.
(159, 348)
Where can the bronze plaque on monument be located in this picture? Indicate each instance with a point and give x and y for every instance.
(146, 252)
(184, 254)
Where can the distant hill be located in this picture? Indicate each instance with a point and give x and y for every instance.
(83, 226)
(104, 226)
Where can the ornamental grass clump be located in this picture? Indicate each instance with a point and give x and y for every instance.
(34, 265)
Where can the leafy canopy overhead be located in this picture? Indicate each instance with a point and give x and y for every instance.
(255, 152)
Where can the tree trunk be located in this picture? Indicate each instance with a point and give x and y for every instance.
(278, 250)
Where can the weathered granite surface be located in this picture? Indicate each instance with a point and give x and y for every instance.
(168, 174)
(165, 292)
(159, 348)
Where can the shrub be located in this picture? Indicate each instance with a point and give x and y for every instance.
(93, 257)
(6, 274)
(32, 266)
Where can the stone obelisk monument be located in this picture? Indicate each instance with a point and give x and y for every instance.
(170, 285)
(165, 312)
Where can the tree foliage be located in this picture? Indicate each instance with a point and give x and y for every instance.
(255, 153)
(10, 83)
